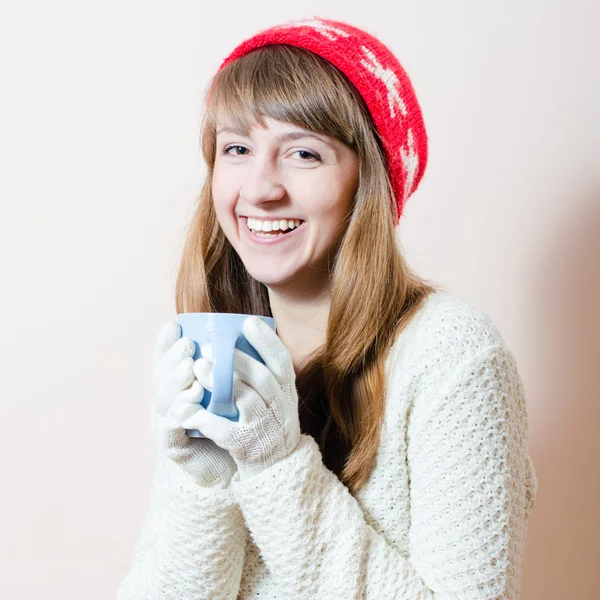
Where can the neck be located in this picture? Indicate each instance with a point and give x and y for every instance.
(301, 321)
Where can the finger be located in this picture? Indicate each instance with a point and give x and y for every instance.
(181, 375)
(183, 348)
(187, 403)
(257, 376)
(219, 429)
(206, 351)
(270, 348)
(248, 402)
(203, 370)
(177, 380)
(251, 407)
(191, 395)
(166, 337)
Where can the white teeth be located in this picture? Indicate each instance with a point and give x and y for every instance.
(283, 224)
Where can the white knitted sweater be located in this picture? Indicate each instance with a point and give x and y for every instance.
(442, 516)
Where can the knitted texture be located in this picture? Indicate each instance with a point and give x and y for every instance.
(191, 544)
(443, 515)
(379, 78)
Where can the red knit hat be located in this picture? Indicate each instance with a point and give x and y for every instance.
(379, 78)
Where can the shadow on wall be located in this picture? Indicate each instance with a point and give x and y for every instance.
(562, 556)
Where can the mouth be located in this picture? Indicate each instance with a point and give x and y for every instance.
(268, 237)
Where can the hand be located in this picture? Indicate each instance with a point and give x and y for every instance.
(268, 429)
(177, 395)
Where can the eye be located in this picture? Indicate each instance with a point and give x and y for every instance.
(228, 148)
(314, 157)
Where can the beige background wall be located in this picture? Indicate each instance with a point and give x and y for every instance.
(99, 120)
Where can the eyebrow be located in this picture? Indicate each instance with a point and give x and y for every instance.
(282, 137)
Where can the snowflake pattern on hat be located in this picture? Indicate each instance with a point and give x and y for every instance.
(389, 79)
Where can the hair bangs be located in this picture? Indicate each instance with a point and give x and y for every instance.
(288, 84)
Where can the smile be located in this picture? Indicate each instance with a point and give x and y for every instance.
(272, 239)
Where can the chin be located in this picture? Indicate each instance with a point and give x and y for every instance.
(268, 278)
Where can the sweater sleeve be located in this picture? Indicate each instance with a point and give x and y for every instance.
(470, 498)
(191, 545)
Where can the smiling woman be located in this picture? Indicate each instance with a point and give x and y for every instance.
(278, 174)
(388, 415)
(269, 119)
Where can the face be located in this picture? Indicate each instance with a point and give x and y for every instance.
(281, 172)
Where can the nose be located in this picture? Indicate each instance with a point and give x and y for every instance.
(262, 182)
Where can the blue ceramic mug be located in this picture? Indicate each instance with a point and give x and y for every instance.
(223, 332)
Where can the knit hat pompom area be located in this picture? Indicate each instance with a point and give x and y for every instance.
(379, 78)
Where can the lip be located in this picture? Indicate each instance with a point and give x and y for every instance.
(274, 240)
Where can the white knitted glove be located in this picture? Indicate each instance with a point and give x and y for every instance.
(268, 429)
(174, 401)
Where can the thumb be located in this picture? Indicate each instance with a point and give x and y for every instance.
(219, 429)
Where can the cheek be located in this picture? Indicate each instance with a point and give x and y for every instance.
(334, 209)
(219, 185)
(329, 202)
(223, 192)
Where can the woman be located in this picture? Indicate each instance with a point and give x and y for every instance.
(381, 450)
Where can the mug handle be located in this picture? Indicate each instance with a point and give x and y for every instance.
(221, 400)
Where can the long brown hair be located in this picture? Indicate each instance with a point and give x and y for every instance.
(374, 294)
